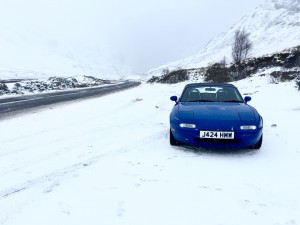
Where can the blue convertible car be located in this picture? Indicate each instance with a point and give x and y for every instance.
(215, 116)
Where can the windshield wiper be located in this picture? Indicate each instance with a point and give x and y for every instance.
(201, 101)
(233, 101)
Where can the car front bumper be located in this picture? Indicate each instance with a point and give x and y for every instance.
(242, 139)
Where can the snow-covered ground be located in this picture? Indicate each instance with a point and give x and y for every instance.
(108, 161)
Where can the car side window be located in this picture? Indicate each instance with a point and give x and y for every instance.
(190, 94)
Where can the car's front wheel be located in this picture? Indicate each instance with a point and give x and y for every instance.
(258, 144)
(173, 141)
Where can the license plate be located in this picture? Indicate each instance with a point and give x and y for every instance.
(217, 134)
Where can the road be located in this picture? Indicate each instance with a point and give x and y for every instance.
(8, 105)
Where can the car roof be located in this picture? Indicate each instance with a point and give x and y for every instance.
(209, 84)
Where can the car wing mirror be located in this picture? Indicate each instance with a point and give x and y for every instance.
(174, 98)
(247, 99)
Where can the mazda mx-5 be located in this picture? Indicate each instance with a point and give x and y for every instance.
(215, 116)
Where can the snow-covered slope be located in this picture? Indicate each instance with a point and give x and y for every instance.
(273, 26)
(36, 46)
(31, 56)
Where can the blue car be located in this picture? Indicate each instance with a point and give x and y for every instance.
(215, 116)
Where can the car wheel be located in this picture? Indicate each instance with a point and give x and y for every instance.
(173, 141)
(258, 144)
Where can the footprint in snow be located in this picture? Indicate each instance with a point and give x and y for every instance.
(253, 207)
(50, 188)
(206, 187)
(66, 209)
(137, 100)
(121, 209)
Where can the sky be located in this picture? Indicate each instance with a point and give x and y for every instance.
(145, 34)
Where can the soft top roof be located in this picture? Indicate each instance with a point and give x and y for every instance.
(209, 84)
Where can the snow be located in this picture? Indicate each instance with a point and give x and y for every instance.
(108, 160)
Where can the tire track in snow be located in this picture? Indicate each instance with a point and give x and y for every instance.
(77, 166)
(48, 177)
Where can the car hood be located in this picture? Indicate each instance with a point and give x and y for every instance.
(215, 111)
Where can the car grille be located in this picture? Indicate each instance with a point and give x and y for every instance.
(217, 141)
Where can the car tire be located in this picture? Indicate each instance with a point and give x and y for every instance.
(258, 144)
(173, 141)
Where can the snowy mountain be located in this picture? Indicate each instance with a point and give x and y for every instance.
(38, 57)
(33, 45)
(273, 26)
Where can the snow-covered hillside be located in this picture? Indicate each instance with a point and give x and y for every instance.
(38, 57)
(108, 161)
(40, 44)
(273, 26)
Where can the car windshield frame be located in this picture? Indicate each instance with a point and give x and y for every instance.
(211, 93)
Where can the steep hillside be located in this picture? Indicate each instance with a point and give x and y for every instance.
(273, 26)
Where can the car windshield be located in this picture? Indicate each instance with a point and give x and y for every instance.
(211, 94)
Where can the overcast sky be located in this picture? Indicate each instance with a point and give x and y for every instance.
(147, 33)
(162, 31)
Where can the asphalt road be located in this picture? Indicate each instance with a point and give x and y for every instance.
(21, 103)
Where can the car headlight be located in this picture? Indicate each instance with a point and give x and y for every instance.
(187, 125)
(248, 127)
